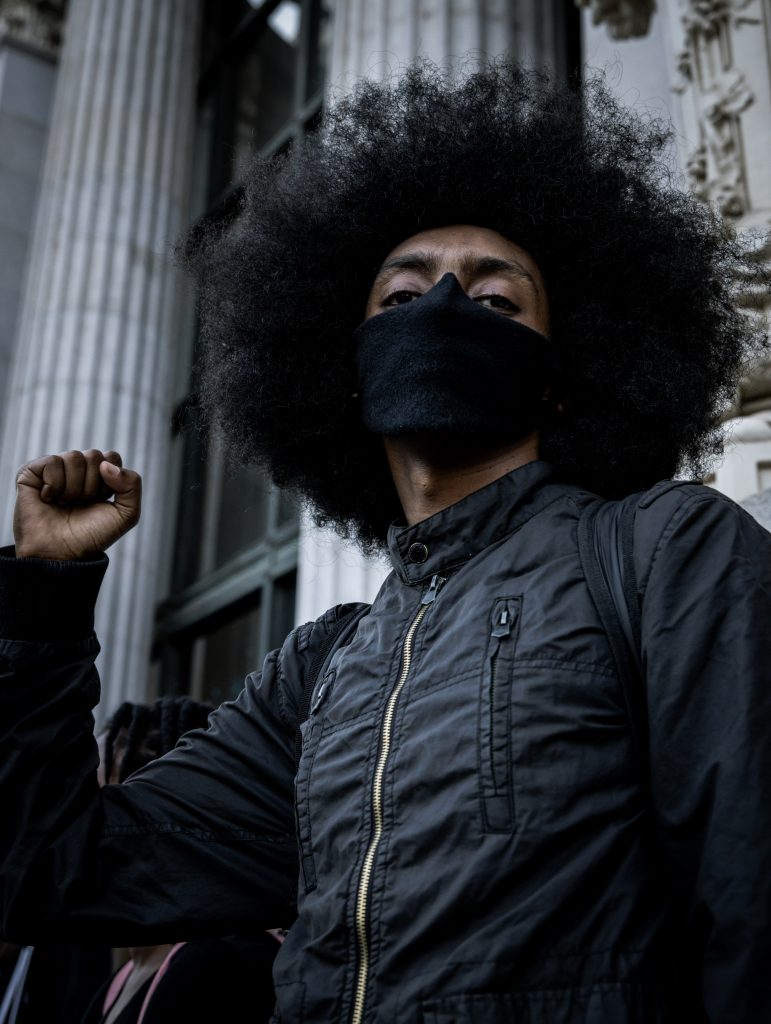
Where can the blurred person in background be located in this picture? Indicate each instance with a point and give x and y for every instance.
(207, 980)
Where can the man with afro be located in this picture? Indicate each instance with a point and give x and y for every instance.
(475, 323)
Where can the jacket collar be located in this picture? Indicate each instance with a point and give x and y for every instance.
(457, 533)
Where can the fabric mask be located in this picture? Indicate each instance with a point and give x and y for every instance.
(445, 363)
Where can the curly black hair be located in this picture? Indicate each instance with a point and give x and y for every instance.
(150, 730)
(639, 275)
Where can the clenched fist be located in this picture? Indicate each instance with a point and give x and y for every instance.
(63, 509)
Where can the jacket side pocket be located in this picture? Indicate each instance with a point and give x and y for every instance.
(311, 731)
(290, 1003)
(495, 724)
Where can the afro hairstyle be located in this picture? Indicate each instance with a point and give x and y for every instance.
(639, 275)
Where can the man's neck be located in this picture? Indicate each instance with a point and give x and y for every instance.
(150, 957)
(431, 474)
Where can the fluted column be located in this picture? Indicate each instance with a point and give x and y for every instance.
(97, 331)
(30, 35)
(374, 38)
(331, 572)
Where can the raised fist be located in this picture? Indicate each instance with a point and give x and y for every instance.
(63, 508)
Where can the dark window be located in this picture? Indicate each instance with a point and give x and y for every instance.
(232, 538)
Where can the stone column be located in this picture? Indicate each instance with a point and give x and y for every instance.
(373, 38)
(29, 50)
(96, 336)
(629, 42)
(747, 469)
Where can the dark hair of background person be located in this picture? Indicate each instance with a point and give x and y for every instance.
(147, 731)
(640, 277)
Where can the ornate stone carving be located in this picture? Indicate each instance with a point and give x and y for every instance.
(37, 22)
(705, 68)
(624, 18)
(707, 16)
(753, 296)
(752, 286)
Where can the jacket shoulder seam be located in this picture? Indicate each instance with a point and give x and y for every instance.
(673, 522)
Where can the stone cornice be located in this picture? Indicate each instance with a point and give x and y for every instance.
(625, 19)
(34, 23)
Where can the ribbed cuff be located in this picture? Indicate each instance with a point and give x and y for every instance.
(42, 600)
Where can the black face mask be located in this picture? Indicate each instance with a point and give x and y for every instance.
(444, 363)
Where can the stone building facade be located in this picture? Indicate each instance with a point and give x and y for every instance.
(123, 121)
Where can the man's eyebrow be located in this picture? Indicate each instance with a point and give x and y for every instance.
(417, 260)
(471, 264)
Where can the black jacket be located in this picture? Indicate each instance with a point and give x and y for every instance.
(477, 840)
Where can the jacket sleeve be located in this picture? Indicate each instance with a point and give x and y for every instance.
(706, 646)
(200, 842)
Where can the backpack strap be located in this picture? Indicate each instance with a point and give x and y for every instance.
(340, 634)
(119, 979)
(606, 549)
(157, 979)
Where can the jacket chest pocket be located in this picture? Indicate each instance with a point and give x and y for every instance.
(495, 717)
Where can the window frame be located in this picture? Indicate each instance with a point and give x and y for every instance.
(261, 575)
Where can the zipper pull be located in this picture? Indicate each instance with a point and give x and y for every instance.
(433, 588)
(322, 692)
(501, 621)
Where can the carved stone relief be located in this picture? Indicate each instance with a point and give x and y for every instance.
(706, 70)
(625, 18)
(716, 90)
(752, 295)
(36, 22)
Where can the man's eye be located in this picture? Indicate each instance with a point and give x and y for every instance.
(399, 298)
(497, 302)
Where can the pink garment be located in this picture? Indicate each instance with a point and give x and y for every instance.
(122, 976)
(120, 979)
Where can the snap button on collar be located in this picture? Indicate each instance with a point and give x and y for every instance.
(417, 552)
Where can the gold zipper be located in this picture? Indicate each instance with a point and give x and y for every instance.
(362, 895)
